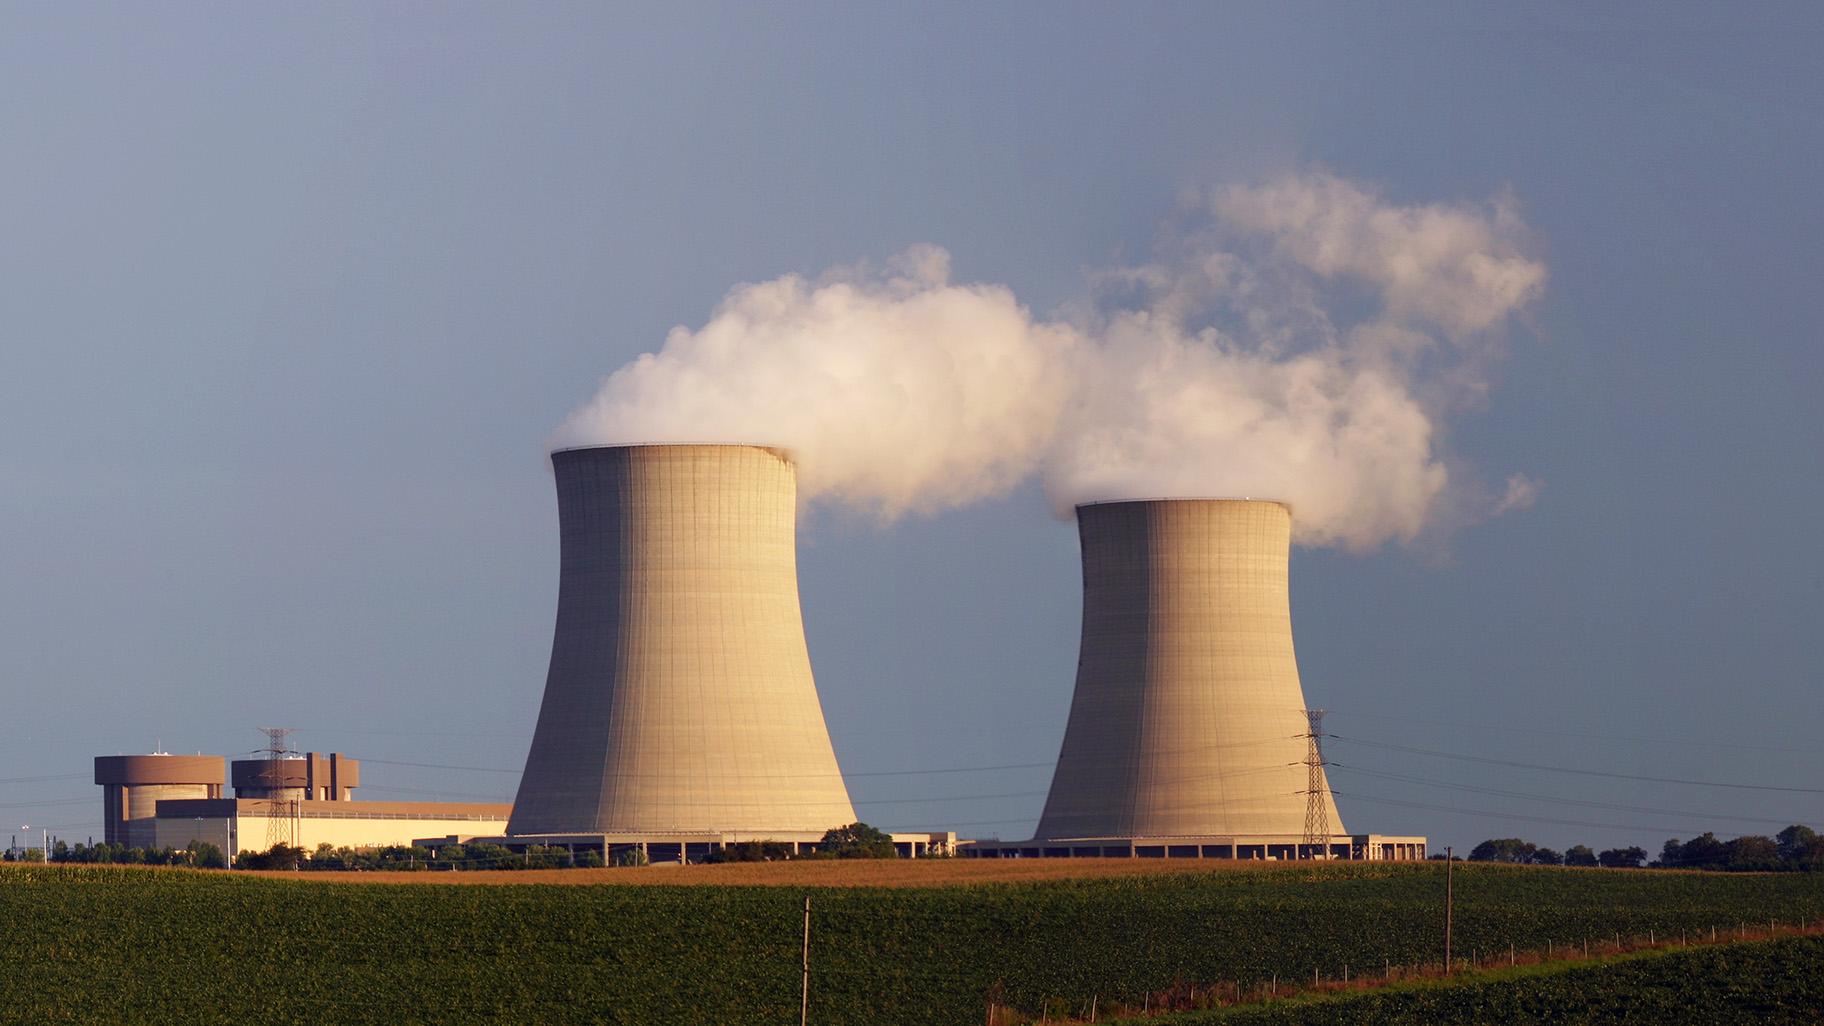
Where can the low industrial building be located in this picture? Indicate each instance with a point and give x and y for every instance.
(175, 801)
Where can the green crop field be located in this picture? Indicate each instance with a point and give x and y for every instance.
(1759, 983)
(93, 944)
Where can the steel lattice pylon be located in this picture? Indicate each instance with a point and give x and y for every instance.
(282, 815)
(1317, 793)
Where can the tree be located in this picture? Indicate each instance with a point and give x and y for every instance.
(857, 841)
(1503, 849)
(1547, 857)
(1752, 854)
(1801, 847)
(207, 856)
(1623, 858)
(1701, 852)
(752, 851)
(279, 856)
(1579, 855)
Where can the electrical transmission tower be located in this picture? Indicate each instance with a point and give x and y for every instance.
(282, 813)
(1317, 793)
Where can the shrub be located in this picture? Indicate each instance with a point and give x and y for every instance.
(858, 841)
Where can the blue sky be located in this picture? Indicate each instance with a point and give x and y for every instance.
(293, 299)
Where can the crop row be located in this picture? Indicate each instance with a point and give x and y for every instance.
(138, 945)
(1761, 983)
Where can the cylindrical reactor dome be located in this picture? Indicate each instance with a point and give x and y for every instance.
(1188, 717)
(133, 785)
(680, 696)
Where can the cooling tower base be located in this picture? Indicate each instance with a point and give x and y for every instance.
(685, 847)
(1257, 847)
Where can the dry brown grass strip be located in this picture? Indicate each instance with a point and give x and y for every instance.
(847, 873)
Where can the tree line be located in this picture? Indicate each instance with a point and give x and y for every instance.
(1794, 849)
(200, 854)
(854, 841)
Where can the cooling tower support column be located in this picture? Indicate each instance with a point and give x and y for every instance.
(1188, 719)
(680, 697)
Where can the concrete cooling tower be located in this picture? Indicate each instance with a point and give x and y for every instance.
(1188, 719)
(679, 699)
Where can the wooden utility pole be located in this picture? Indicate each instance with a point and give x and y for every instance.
(804, 987)
(1449, 901)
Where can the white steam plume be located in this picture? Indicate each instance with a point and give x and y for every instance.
(1301, 345)
(893, 391)
(1300, 340)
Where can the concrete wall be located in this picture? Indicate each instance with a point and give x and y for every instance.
(253, 825)
(1187, 719)
(680, 695)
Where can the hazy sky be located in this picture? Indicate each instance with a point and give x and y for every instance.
(293, 299)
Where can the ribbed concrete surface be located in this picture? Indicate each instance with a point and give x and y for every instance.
(1188, 717)
(680, 695)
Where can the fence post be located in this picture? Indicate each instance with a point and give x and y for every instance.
(804, 985)
(1449, 901)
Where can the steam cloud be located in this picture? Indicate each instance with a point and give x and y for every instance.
(1301, 339)
(894, 391)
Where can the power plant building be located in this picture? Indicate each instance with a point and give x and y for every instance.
(133, 785)
(679, 707)
(175, 801)
(680, 714)
(1188, 733)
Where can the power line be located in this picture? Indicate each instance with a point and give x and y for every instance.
(1485, 814)
(1572, 770)
(438, 765)
(47, 803)
(1587, 735)
(40, 780)
(1555, 799)
(952, 798)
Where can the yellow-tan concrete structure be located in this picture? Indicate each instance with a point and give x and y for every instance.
(238, 825)
(1188, 718)
(133, 785)
(680, 698)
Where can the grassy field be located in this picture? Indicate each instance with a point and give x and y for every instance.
(141, 946)
(1759, 983)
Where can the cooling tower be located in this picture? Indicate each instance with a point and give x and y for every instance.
(680, 697)
(1188, 718)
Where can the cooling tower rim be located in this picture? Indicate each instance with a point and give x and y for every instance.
(784, 452)
(1149, 500)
